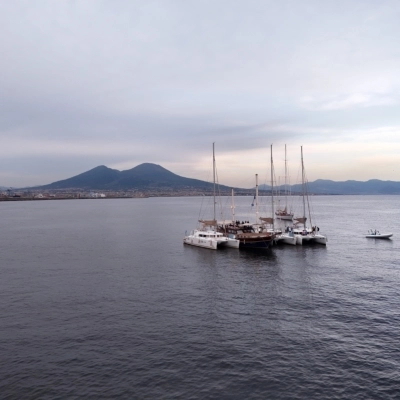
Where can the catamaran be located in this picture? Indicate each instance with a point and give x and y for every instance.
(301, 231)
(207, 235)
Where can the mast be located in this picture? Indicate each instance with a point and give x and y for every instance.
(272, 190)
(304, 187)
(285, 180)
(256, 198)
(214, 176)
(233, 208)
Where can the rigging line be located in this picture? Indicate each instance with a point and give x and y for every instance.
(219, 194)
(201, 207)
(309, 203)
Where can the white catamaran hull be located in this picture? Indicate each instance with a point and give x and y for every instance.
(310, 238)
(286, 238)
(205, 243)
(209, 239)
(233, 243)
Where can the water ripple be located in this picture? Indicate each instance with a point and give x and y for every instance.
(100, 300)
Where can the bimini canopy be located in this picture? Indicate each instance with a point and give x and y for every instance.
(211, 222)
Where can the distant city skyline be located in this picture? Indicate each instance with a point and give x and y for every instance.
(122, 83)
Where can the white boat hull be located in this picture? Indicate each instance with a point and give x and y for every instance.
(321, 239)
(310, 238)
(205, 243)
(286, 238)
(209, 239)
(380, 236)
(233, 243)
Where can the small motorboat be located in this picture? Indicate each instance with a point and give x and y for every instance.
(377, 235)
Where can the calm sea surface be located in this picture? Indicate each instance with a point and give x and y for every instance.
(100, 299)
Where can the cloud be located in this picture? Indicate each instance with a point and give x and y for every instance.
(124, 82)
(348, 101)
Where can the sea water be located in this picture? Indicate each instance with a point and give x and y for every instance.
(100, 299)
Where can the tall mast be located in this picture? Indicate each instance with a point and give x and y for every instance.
(285, 180)
(272, 190)
(256, 198)
(303, 180)
(214, 176)
(233, 208)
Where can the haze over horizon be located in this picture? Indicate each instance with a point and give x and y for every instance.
(122, 83)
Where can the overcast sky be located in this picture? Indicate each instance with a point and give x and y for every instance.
(122, 82)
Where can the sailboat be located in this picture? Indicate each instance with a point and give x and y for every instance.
(250, 236)
(279, 236)
(306, 233)
(207, 236)
(284, 213)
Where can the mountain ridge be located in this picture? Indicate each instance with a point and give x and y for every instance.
(145, 176)
(149, 176)
(326, 186)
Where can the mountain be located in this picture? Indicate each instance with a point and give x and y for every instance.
(373, 186)
(322, 186)
(152, 177)
(95, 178)
(143, 177)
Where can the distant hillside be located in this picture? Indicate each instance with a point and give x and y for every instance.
(143, 177)
(152, 177)
(321, 186)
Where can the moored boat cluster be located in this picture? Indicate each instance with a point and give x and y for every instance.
(262, 234)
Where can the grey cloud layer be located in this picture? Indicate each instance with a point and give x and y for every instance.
(128, 81)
